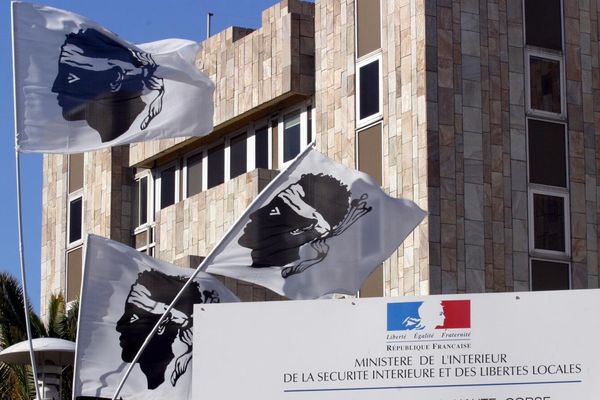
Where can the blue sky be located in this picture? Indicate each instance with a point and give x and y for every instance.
(137, 21)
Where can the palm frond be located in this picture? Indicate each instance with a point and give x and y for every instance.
(68, 325)
(12, 318)
(16, 383)
(56, 313)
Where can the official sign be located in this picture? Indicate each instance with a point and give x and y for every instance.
(510, 346)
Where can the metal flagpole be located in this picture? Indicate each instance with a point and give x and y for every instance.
(198, 269)
(23, 280)
(19, 218)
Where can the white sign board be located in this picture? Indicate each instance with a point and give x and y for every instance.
(510, 346)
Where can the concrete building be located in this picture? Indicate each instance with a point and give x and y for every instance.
(485, 113)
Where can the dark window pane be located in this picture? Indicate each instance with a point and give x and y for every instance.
(140, 202)
(140, 239)
(75, 208)
(369, 89)
(136, 204)
(547, 275)
(309, 137)
(74, 267)
(75, 172)
(547, 153)
(261, 141)
(237, 156)
(291, 136)
(373, 286)
(368, 26)
(194, 174)
(544, 77)
(167, 187)
(549, 222)
(216, 166)
(274, 144)
(369, 152)
(543, 23)
(143, 200)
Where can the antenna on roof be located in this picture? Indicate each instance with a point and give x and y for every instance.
(208, 19)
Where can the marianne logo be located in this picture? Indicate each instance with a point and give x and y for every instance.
(419, 315)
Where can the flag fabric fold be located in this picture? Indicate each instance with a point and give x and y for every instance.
(124, 293)
(318, 228)
(80, 87)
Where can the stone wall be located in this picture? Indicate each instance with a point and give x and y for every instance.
(334, 80)
(54, 227)
(454, 139)
(106, 207)
(405, 141)
(582, 64)
(404, 117)
(477, 144)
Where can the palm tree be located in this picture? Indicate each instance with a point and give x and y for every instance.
(16, 381)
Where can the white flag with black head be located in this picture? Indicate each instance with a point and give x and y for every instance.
(319, 228)
(124, 293)
(79, 87)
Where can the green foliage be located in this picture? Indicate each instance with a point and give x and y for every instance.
(16, 381)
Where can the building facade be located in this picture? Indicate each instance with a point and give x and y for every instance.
(485, 113)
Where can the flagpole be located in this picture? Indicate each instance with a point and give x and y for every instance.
(198, 269)
(23, 280)
(19, 216)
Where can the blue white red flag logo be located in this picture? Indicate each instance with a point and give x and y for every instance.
(419, 315)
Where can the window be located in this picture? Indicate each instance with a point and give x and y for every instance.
(74, 270)
(75, 172)
(547, 146)
(140, 201)
(550, 275)
(238, 157)
(75, 219)
(369, 89)
(370, 162)
(548, 220)
(294, 132)
(143, 240)
(269, 143)
(543, 23)
(275, 143)
(216, 166)
(140, 239)
(167, 186)
(75, 202)
(261, 147)
(547, 153)
(309, 125)
(369, 152)
(368, 26)
(194, 174)
(143, 208)
(74, 254)
(546, 87)
(291, 136)
(143, 211)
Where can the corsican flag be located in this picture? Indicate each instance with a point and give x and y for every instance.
(79, 87)
(124, 293)
(318, 228)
